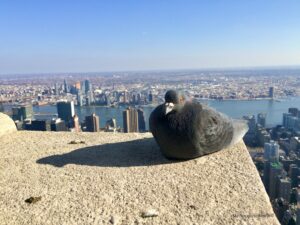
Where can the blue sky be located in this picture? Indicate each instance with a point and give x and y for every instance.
(89, 36)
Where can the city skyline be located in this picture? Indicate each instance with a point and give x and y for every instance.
(53, 37)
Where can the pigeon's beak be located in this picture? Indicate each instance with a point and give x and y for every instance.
(168, 107)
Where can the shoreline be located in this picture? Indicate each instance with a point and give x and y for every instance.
(154, 105)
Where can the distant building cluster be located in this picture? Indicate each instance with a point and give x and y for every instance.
(67, 120)
(279, 162)
(113, 89)
(86, 95)
(82, 94)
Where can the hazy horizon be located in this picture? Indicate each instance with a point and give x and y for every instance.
(74, 37)
(220, 69)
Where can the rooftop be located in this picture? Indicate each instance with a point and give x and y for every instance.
(106, 178)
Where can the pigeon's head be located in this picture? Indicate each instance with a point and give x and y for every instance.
(173, 99)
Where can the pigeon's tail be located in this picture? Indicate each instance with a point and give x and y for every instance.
(240, 128)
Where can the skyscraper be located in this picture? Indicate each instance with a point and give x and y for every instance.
(130, 120)
(82, 85)
(294, 172)
(79, 99)
(291, 122)
(150, 97)
(275, 171)
(24, 112)
(27, 112)
(56, 89)
(66, 87)
(141, 120)
(271, 151)
(65, 110)
(126, 97)
(285, 119)
(92, 123)
(271, 92)
(294, 111)
(89, 98)
(88, 86)
(284, 188)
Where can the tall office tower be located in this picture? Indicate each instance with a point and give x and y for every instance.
(130, 120)
(138, 98)
(266, 175)
(126, 97)
(88, 86)
(150, 97)
(21, 113)
(65, 110)
(275, 171)
(79, 99)
(286, 119)
(66, 87)
(261, 119)
(15, 113)
(27, 112)
(141, 120)
(88, 100)
(134, 99)
(271, 92)
(56, 92)
(294, 172)
(291, 122)
(284, 189)
(74, 124)
(294, 111)
(92, 123)
(90, 97)
(82, 85)
(271, 151)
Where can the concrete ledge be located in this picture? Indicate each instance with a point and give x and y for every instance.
(114, 178)
(7, 125)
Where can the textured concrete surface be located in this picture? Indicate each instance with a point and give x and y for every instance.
(120, 179)
(7, 125)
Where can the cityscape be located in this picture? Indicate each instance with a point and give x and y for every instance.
(138, 92)
(275, 150)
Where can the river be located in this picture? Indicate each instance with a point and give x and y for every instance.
(233, 108)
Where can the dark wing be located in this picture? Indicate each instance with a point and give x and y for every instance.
(154, 119)
(215, 130)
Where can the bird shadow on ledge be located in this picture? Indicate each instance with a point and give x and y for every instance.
(141, 152)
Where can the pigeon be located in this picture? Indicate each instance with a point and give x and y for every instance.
(186, 129)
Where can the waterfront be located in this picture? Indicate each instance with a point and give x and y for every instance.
(235, 109)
